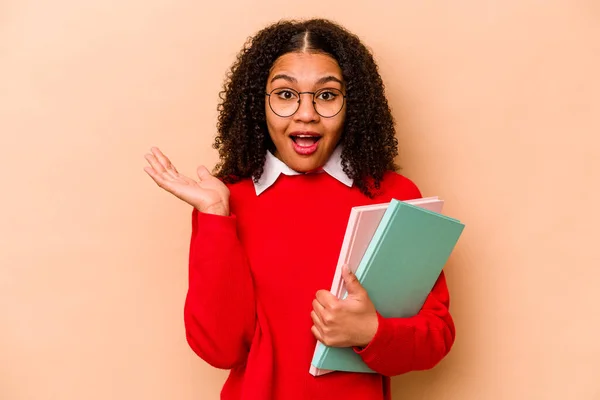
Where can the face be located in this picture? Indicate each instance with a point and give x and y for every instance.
(305, 140)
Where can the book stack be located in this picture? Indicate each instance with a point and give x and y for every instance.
(397, 251)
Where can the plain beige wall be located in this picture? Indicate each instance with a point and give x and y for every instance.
(498, 112)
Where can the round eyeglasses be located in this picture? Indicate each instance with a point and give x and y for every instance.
(328, 102)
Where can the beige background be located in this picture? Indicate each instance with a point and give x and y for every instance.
(498, 112)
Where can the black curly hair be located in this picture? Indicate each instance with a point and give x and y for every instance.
(369, 142)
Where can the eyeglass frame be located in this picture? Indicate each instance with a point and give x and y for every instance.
(313, 100)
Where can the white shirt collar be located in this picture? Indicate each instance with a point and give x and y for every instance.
(273, 167)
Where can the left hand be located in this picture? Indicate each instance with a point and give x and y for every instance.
(344, 323)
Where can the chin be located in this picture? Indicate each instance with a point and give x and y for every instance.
(304, 165)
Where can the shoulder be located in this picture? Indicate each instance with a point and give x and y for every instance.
(399, 186)
(243, 187)
(241, 193)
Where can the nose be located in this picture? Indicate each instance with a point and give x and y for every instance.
(306, 110)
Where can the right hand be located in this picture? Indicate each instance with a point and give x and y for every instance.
(208, 194)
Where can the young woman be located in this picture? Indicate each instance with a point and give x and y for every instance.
(304, 134)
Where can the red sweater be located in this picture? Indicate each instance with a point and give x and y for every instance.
(254, 274)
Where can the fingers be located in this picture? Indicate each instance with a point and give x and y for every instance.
(157, 177)
(316, 319)
(160, 170)
(317, 333)
(203, 172)
(162, 159)
(323, 310)
(326, 299)
(162, 164)
(319, 312)
(353, 286)
(155, 164)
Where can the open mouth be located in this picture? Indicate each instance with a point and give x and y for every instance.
(305, 140)
(305, 144)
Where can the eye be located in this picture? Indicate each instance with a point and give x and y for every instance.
(327, 95)
(286, 94)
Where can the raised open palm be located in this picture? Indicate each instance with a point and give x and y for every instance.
(208, 194)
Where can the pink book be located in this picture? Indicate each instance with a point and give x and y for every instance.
(362, 224)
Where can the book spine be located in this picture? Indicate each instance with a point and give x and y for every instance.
(383, 227)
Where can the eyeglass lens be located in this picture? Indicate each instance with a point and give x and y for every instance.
(285, 102)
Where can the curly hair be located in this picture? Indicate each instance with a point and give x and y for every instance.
(368, 137)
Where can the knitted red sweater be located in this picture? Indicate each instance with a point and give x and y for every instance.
(252, 279)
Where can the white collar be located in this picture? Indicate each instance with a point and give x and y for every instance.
(273, 167)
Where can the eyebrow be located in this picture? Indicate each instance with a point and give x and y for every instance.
(323, 80)
(329, 78)
(284, 77)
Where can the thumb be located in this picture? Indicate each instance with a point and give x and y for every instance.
(203, 173)
(352, 284)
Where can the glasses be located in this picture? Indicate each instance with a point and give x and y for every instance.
(328, 102)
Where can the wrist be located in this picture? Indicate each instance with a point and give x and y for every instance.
(370, 331)
(217, 209)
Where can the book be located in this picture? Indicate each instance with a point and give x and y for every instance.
(362, 224)
(397, 251)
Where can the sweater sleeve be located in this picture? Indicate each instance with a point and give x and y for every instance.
(219, 312)
(420, 342)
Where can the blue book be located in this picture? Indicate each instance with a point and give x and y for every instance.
(403, 261)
